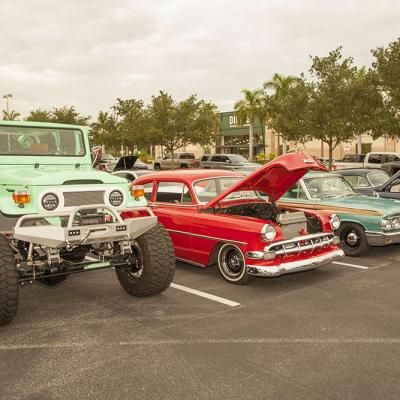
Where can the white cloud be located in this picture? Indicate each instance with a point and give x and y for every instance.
(88, 53)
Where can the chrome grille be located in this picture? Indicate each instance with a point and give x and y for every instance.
(302, 244)
(292, 230)
(73, 199)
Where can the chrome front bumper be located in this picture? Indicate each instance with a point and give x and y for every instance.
(382, 238)
(294, 266)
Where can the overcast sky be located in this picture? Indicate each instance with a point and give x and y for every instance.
(87, 53)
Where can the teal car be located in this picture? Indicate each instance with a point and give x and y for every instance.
(365, 221)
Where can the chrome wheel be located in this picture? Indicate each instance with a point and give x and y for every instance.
(352, 238)
(231, 264)
(135, 261)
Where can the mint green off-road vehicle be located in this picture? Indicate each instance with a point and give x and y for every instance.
(59, 216)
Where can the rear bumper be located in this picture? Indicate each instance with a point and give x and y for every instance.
(382, 238)
(294, 266)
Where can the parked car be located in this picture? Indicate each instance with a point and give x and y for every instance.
(370, 160)
(218, 217)
(366, 181)
(391, 167)
(365, 221)
(130, 175)
(123, 163)
(226, 161)
(181, 160)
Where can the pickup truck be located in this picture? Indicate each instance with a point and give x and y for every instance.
(369, 160)
(181, 160)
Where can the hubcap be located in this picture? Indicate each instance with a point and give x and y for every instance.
(352, 239)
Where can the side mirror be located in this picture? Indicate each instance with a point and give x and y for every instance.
(375, 194)
(228, 161)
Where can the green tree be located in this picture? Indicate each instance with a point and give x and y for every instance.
(104, 128)
(385, 76)
(176, 124)
(10, 115)
(341, 104)
(62, 115)
(281, 87)
(246, 110)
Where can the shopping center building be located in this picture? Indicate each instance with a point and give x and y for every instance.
(234, 138)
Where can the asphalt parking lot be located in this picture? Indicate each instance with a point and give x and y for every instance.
(330, 333)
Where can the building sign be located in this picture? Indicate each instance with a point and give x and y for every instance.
(234, 123)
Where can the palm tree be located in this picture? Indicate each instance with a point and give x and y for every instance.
(280, 85)
(10, 115)
(361, 75)
(246, 109)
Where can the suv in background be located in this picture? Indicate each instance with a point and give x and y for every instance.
(226, 161)
(181, 160)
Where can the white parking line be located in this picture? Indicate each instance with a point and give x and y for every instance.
(349, 265)
(206, 295)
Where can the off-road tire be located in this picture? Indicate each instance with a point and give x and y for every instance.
(359, 246)
(158, 262)
(9, 286)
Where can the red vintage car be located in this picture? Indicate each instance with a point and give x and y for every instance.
(220, 217)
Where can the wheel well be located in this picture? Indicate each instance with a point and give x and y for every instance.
(214, 254)
(344, 223)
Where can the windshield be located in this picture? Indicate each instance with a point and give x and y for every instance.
(207, 189)
(18, 140)
(378, 178)
(237, 159)
(328, 186)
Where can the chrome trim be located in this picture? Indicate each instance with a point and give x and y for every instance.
(382, 238)
(311, 243)
(294, 266)
(206, 237)
(190, 262)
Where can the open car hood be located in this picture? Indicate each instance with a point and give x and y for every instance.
(275, 178)
(125, 163)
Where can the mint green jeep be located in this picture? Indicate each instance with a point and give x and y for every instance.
(59, 216)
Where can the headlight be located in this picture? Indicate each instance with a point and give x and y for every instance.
(116, 198)
(50, 201)
(268, 232)
(335, 222)
(396, 223)
(386, 225)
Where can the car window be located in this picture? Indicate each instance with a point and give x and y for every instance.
(219, 158)
(207, 189)
(378, 178)
(357, 181)
(148, 189)
(295, 192)
(204, 158)
(375, 158)
(186, 156)
(173, 192)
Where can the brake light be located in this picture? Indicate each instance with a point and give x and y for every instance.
(21, 197)
(137, 192)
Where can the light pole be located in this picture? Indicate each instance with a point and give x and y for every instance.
(7, 97)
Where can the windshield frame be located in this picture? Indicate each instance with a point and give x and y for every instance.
(19, 130)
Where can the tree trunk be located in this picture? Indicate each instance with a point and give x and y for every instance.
(278, 150)
(251, 147)
(330, 144)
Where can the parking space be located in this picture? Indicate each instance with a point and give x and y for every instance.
(329, 333)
